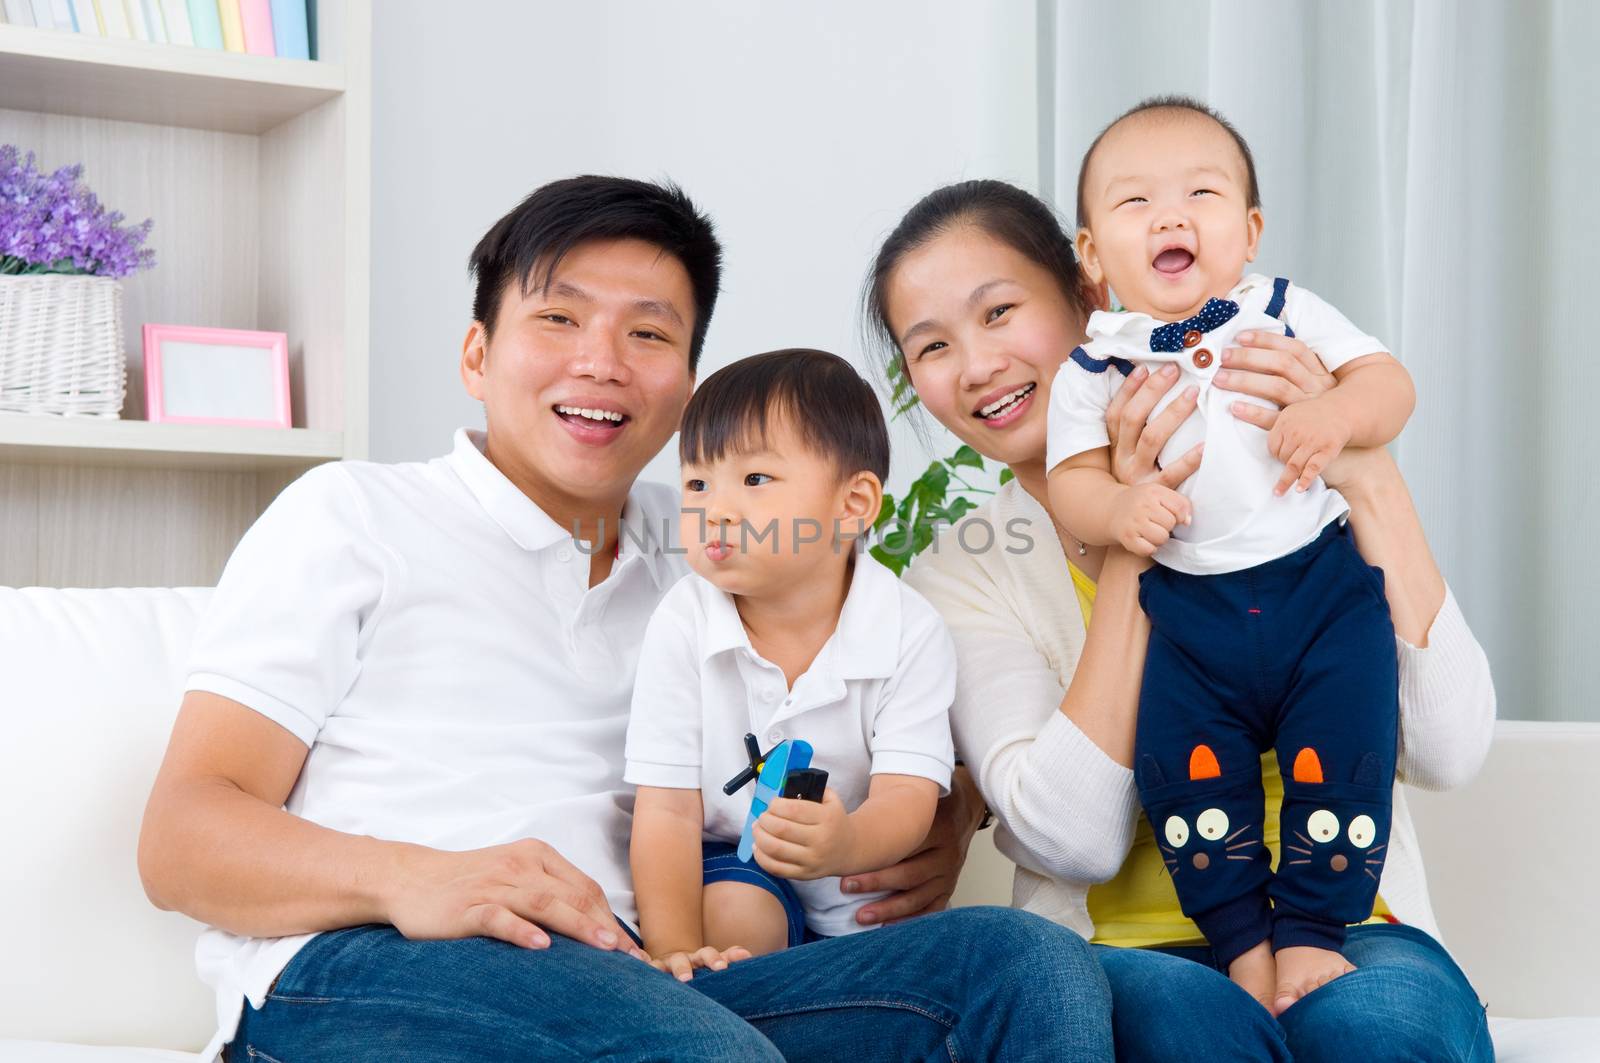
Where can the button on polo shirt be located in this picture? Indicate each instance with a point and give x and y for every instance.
(429, 633)
(874, 701)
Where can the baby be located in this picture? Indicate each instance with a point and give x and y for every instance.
(1268, 631)
(785, 630)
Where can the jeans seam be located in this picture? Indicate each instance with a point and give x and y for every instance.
(869, 1003)
(255, 1053)
(282, 999)
(1478, 1031)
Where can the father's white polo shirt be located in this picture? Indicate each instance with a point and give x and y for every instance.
(875, 701)
(430, 634)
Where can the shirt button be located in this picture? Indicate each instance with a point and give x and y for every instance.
(1202, 358)
(769, 695)
(1191, 337)
(564, 555)
(775, 736)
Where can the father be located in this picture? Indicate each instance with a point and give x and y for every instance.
(395, 784)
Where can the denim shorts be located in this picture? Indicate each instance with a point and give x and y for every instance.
(721, 863)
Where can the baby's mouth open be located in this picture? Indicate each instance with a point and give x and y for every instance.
(1173, 261)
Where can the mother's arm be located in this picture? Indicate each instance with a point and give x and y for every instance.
(1447, 701)
(1053, 764)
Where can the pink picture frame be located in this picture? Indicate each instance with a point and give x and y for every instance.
(216, 376)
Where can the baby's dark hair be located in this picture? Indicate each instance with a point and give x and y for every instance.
(821, 395)
(1172, 103)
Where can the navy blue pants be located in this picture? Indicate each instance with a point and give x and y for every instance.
(1296, 655)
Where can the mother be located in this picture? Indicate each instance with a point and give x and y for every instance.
(978, 295)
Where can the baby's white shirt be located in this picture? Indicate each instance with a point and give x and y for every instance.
(1238, 522)
(875, 701)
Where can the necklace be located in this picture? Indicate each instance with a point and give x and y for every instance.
(1073, 539)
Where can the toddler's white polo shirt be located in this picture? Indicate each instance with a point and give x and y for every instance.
(1238, 521)
(875, 701)
(430, 634)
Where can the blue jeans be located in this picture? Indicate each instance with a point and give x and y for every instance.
(971, 984)
(1406, 1000)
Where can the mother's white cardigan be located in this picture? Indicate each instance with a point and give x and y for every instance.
(1065, 810)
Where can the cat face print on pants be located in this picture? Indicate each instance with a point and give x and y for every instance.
(1196, 840)
(1334, 830)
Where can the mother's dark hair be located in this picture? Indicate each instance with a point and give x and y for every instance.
(1016, 218)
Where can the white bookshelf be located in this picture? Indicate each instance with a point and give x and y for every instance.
(257, 171)
(140, 444)
(138, 81)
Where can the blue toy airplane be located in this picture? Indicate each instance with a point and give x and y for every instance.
(784, 771)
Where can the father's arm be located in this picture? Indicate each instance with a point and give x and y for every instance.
(279, 648)
(217, 845)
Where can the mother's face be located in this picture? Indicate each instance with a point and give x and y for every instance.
(983, 329)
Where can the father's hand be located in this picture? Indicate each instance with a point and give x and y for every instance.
(924, 881)
(518, 893)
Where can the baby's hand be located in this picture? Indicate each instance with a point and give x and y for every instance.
(804, 839)
(1306, 437)
(1143, 516)
(681, 965)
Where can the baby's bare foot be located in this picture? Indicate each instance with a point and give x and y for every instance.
(1303, 968)
(1256, 972)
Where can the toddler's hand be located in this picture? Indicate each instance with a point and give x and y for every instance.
(681, 965)
(1143, 516)
(1306, 437)
(804, 839)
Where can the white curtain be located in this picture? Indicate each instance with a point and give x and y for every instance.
(1432, 167)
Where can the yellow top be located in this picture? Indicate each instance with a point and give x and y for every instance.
(1139, 906)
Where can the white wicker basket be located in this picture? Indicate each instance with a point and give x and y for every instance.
(61, 345)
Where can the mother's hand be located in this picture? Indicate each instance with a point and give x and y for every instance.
(1137, 438)
(1274, 367)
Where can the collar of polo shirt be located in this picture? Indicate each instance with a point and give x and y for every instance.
(865, 645)
(1136, 328)
(531, 527)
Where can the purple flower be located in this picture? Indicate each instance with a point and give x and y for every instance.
(54, 224)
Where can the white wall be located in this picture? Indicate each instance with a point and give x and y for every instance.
(804, 129)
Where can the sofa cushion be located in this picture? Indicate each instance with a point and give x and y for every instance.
(89, 685)
(1512, 858)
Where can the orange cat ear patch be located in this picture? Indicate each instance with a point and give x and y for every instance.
(1203, 764)
(1307, 766)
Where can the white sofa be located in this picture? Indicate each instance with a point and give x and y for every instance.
(89, 684)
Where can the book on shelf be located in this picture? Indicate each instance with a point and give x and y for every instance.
(289, 29)
(86, 18)
(153, 20)
(232, 27)
(205, 23)
(283, 28)
(19, 12)
(136, 23)
(114, 16)
(176, 15)
(256, 17)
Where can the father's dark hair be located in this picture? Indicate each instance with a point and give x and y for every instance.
(528, 244)
(1175, 104)
(1018, 219)
(821, 395)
